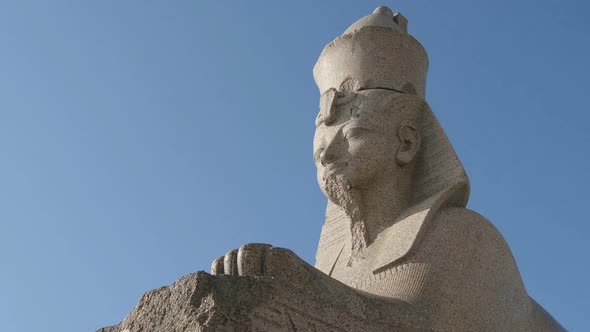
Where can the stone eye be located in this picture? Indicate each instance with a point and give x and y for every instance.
(354, 133)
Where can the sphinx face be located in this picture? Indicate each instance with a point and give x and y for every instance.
(355, 148)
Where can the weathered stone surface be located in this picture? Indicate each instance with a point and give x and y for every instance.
(202, 302)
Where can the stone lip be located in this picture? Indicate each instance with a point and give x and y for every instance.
(202, 302)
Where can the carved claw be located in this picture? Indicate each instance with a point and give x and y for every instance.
(230, 263)
(217, 266)
(251, 259)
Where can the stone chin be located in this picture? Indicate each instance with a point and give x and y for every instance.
(337, 180)
(335, 187)
(340, 192)
(334, 184)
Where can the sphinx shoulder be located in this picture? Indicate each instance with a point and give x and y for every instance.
(462, 221)
(466, 232)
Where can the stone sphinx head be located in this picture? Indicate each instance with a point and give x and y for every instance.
(380, 153)
(365, 146)
(364, 139)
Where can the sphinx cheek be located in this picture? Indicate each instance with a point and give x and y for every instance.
(373, 163)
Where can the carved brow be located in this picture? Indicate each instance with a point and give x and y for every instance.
(331, 102)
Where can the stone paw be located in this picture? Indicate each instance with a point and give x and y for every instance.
(256, 259)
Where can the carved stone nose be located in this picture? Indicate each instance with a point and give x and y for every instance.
(332, 149)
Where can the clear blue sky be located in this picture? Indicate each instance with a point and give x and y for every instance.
(139, 140)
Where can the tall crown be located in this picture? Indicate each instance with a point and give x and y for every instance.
(376, 52)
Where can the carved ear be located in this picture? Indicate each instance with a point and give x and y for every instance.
(409, 143)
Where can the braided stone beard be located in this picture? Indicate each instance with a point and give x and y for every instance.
(340, 191)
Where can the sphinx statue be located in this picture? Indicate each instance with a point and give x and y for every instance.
(399, 250)
(396, 221)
